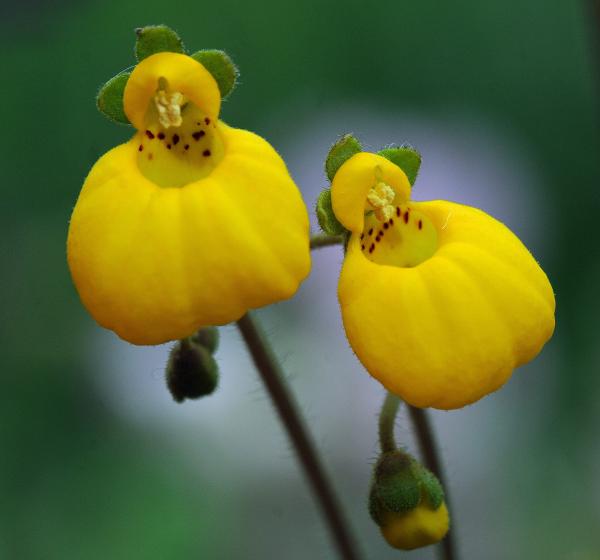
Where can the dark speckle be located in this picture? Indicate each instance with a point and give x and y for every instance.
(377, 239)
(362, 235)
(406, 217)
(372, 247)
(140, 148)
(207, 120)
(149, 134)
(198, 134)
(186, 147)
(168, 146)
(371, 231)
(391, 221)
(398, 211)
(420, 224)
(386, 225)
(175, 139)
(206, 153)
(161, 135)
(362, 247)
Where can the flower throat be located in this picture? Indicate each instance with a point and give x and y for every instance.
(180, 144)
(396, 233)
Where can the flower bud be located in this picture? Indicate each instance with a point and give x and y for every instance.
(191, 371)
(407, 502)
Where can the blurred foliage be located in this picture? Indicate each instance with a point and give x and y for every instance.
(76, 484)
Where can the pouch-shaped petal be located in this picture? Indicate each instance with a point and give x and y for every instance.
(451, 329)
(155, 263)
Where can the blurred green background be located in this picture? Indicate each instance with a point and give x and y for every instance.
(97, 462)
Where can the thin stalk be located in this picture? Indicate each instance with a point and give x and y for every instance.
(324, 240)
(272, 375)
(387, 419)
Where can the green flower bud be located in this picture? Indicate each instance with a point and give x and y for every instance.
(396, 484)
(407, 502)
(191, 371)
(325, 215)
(110, 98)
(406, 158)
(341, 151)
(154, 39)
(207, 337)
(222, 68)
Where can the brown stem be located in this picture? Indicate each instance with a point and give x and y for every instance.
(272, 375)
(431, 459)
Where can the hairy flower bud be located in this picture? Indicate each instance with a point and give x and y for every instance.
(407, 502)
(191, 371)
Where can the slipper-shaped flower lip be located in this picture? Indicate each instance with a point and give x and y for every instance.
(191, 222)
(449, 327)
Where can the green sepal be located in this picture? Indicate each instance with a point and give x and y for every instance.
(153, 39)
(377, 509)
(406, 158)
(396, 482)
(325, 215)
(191, 371)
(432, 488)
(339, 153)
(222, 68)
(207, 337)
(110, 98)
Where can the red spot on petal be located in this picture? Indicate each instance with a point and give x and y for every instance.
(161, 135)
(420, 224)
(398, 211)
(206, 153)
(372, 247)
(198, 134)
(406, 217)
(149, 134)
(175, 139)
(140, 148)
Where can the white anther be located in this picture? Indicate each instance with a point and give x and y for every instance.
(380, 197)
(169, 108)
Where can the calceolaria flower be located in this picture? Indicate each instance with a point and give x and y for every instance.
(440, 301)
(191, 222)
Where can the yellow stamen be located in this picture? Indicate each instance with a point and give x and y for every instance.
(380, 197)
(169, 108)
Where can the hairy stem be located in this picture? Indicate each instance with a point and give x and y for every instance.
(272, 375)
(387, 419)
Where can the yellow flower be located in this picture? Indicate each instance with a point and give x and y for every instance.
(418, 527)
(191, 222)
(440, 301)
